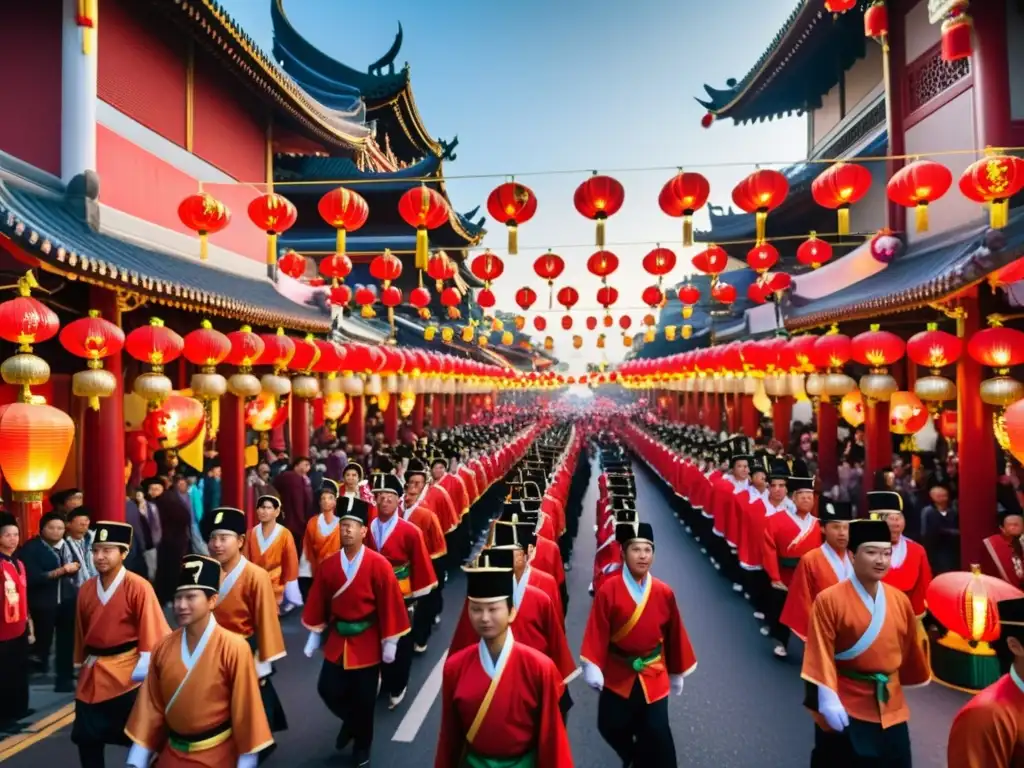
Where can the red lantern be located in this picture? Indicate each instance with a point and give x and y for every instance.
(566, 322)
(525, 297)
(591, 323)
(949, 426)
(512, 204)
(602, 264)
(934, 349)
(420, 299)
(485, 298)
(337, 267)
(777, 282)
(956, 33)
(876, 20)
(762, 257)
(341, 295)
(907, 414)
(487, 267)
(802, 349)
(813, 252)
(366, 297)
(682, 196)
(425, 209)
(292, 264)
(205, 346)
(440, 268)
(344, 210)
(711, 261)
(966, 603)
(205, 215)
(652, 296)
(918, 184)
(723, 293)
(597, 198)
(877, 348)
(26, 321)
(246, 348)
(549, 267)
(659, 263)
(391, 297)
(154, 344)
(607, 296)
(839, 6)
(568, 297)
(707, 119)
(625, 322)
(999, 348)
(832, 351)
(176, 423)
(92, 338)
(688, 293)
(838, 187)
(760, 193)
(278, 350)
(993, 181)
(757, 292)
(1013, 418)
(263, 413)
(274, 214)
(540, 323)
(451, 298)
(387, 268)
(34, 444)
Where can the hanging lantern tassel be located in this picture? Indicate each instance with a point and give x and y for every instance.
(422, 247)
(687, 229)
(999, 213)
(601, 218)
(760, 219)
(204, 246)
(339, 241)
(271, 249)
(956, 34)
(86, 19)
(843, 212)
(513, 238)
(921, 216)
(551, 294)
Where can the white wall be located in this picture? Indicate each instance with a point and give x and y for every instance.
(1015, 49)
(827, 116)
(920, 35)
(869, 214)
(861, 79)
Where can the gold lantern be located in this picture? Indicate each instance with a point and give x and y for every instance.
(429, 332)
(447, 334)
(878, 386)
(670, 333)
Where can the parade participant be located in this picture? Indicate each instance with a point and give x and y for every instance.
(909, 570)
(989, 731)
(200, 703)
(402, 544)
(271, 547)
(356, 599)
(14, 626)
(635, 651)
(727, 491)
(523, 539)
(862, 651)
(355, 484)
(788, 536)
(321, 539)
(118, 624)
(820, 568)
(1004, 554)
(499, 697)
(608, 560)
(764, 502)
(246, 604)
(455, 489)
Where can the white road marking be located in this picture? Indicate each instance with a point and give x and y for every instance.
(420, 707)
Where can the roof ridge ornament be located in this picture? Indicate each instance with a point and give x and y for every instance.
(388, 59)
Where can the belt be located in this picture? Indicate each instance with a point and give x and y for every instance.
(474, 760)
(352, 628)
(879, 679)
(114, 650)
(638, 663)
(401, 571)
(200, 741)
(789, 562)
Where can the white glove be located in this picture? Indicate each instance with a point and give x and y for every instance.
(138, 757)
(388, 650)
(248, 761)
(292, 593)
(312, 644)
(676, 684)
(263, 668)
(832, 709)
(142, 668)
(593, 676)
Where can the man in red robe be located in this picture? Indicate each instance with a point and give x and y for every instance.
(1003, 554)
(909, 571)
(635, 651)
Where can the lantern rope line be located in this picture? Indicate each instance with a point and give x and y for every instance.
(648, 169)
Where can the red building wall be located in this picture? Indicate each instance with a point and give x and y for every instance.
(30, 60)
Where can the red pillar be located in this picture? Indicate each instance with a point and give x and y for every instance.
(991, 70)
(748, 416)
(977, 448)
(418, 413)
(877, 442)
(716, 411)
(299, 426)
(828, 437)
(103, 483)
(782, 418)
(391, 420)
(436, 411)
(231, 449)
(449, 419)
(355, 431)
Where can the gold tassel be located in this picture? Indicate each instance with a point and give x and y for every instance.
(391, 318)
(513, 239)
(999, 213)
(921, 217)
(600, 233)
(760, 218)
(422, 248)
(844, 219)
(204, 249)
(339, 242)
(271, 249)
(94, 402)
(687, 231)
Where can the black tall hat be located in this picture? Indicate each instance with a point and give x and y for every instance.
(759, 462)
(415, 468)
(830, 511)
(884, 501)
(199, 572)
(1011, 617)
(620, 504)
(526, 533)
(629, 532)
(779, 470)
(352, 508)
(385, 483)
(795, 484)
(114, 534)
(354, 466)
(736, 458)
(6, 519)
(626, 516)
(874, 532)
(489, 585)
(506, 535)
(329, 486)
(224, 520)
(496, 558)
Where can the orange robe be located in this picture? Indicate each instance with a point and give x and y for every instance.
(212, 690)
(913, 574)
(372, 595)
(785, 543)
(276, 554)
(318, 545)
(513, 714)
(621, 630)
(129, 614)
(247, 607)
(989, 731)
(430, 527)
(814, 574)
(406, 551)
(840, 625)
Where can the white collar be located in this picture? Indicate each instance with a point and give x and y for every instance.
(351, 567)
(899, 553)
(382, 531)
(326, 528)
(1016, 679)
(843, 568)
(803, 523)
(636, 588)
(490, 666)
(519, 590)
(232, 578)
(264, 543)
(105, 594)
(190, 659)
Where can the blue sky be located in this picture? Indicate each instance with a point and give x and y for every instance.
(541, 85)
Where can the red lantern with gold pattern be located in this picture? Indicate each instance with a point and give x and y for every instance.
(337, 267)
(278, 350)
(682, 196)
(832, 351)
(440, 268)
(712, 260)
(526, 297)
(760, 193)
(387, 268)
(25, 320)
(992, 181)
(274, 214)
(344, 210)
(916, 185)
(92, 338)
(762, 257)
(597, 198)
(907, 414)
(176, 423)
(206, 346)
(154, 344)
(659, 262)
(688, 293)
(966, 603)
(956, 33)
(512, 204)
(838, 187)
(813, 252)
(246, 348)
(802, 350)
(205, 215)
(292, 264)
(934, 349)
(877, 348)
(998, 347)
(602, 264)
(425, 209)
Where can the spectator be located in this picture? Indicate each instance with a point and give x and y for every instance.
(940, 530)
(141, 538)
(211, 485)
(66, 501)
(146, 497)
(51, 571)
(259, 481)
(296, 493)
(175, 538)
(79, 538)
(14, 628)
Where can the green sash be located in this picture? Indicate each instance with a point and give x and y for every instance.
(789, 562)
(638, 663)
(473, 760)
(351, 628)
(402, 572)
(879, 679)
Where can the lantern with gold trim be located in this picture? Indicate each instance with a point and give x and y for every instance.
(935, 350)
(877, 349)
(917, 184)
(682, 196)
(999, 348)
(425, 209)
(156, 345)
(278, 351)
(205, 215)
(346, 211)
(992, 181)
(94, 339)
(760, 193)
(597, 198)
(246, 349)
(274, 214)
(549, 267)
(512, 204)
(206, 347)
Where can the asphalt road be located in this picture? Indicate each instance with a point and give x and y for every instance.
(740, 708)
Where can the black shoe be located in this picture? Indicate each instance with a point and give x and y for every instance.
(361, 758)
(344, 738)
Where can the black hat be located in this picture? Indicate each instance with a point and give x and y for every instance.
(759, 462)
(620, 504)
(779, 470)
(439, 460)
(1011, 617)
(351, 508)
(329, 486)
(155, 480)
(626, 515)
(868, 532)
(113, 534)
(6, 519)
(272, 499)
(354, 466)
(496, 558)
(381, 483)
(734, 460)
(489, 585)
(505, 535)
(794, 484)
(224, 519)
(415, 468)
(884, 501)
(830, 511)
(199, 572)
(1005, 513)
(628, 532)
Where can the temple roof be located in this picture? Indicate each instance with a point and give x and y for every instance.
(930, 271)
(385, 93)
(800, 65)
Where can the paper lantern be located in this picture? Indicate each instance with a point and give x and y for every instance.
(157, 345)
(1013, 419)
(688, 293)
(567, 322)
(956, 33)
(877, 348)
(652, 296)
(724, 293)
(760, 193)
(607, 296)
(948, 425)
(177, 422)
(549, 267)
(839, 6)
(439, 269)
(602, 264)
(997, 347)
(485, 298)
(540, 323)
(992, 181)
(525, 298)
(876, 20)
(682, 196)
(387, 268)
(205, 215)
(274, 214)
(917, 184)
(425, 209)
(838, 187)
(451, 298)
(851, 408)
(597, 198)
(366, 297)
(264, 413)
(711, 261)
(591, 323)
(292, 264)
(278, 350)
(934, 349)
(813, 252)
(346, 211)
(487, 267)
(94, 339)
(966, 603)
(512, 204)
(659, 262)
(907, 414)
(34, 444)
(568, 297)
(762, 257)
